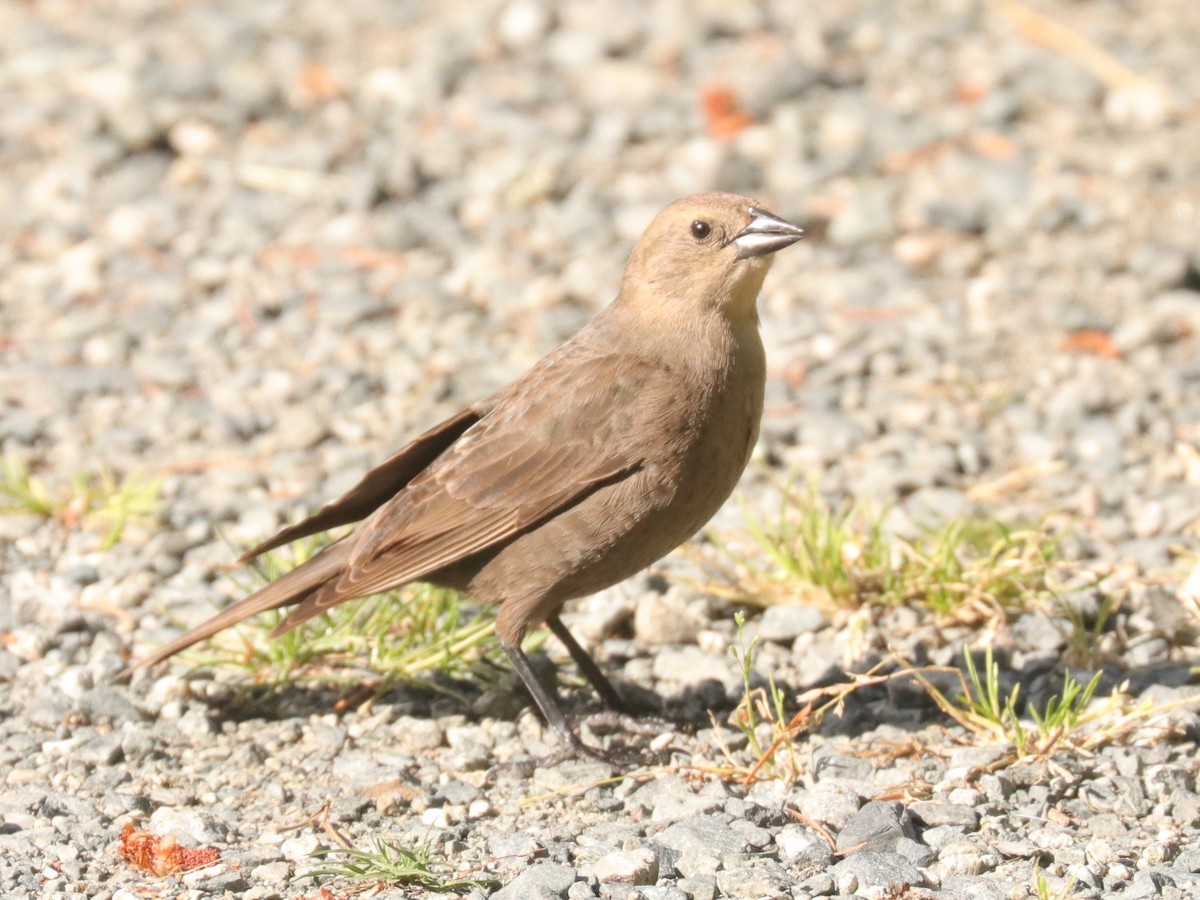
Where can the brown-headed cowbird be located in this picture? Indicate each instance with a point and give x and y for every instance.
(610, 452)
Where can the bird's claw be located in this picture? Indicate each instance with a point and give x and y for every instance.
(621, 759)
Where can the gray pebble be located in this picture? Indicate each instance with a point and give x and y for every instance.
(915, 852)
(707, 834)
(539, 880)
(416, 735)
(691, 666)
(830, 804)
(801, 847)
(698, 887)
(878, 869)
(665, 619)
(877, 826)
(935, 812)
(783, 624)
(755, 879)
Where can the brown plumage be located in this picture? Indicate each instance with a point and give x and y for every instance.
(606, 455)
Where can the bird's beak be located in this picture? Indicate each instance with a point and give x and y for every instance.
(765, 234)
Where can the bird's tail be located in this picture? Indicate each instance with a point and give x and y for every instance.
(294, 587)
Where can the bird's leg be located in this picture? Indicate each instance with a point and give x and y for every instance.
(572, 745)
(587, 666)
(549, 709)
(620, 715)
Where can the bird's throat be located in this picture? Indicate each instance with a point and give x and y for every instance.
(741, 303)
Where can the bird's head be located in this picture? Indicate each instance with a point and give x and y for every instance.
(711, 250)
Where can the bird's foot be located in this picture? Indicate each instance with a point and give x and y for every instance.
(644, 726)
(621, 759)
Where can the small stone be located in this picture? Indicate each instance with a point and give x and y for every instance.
(934, 812)
(187, 824)
(193, 137)
(1118, 794)
(803, 847)
(435, 817)
(1107, 825)
(300, 849)
(872, 869)
(105, 749)
(1033, 632)
(875, 827)
(828, 764)
(661, 892)
(1188, 860)
(538, 880)
(783, 624)
(941, 835)
(638, 866)
(689, 665)
(417, 736)
(80, 266)
(921, 249)
(1146, 885)
(216, 880)
(106, 704)
(915, 852)
(821, 885)
(670, 798)
(1051, 838)
(665, 619)
(516, 844)
(964, 858)
(1084, 875)
(1143, 105)
(967, 759)
(523, 23)
(1015, 849)
(695, 862)
(699, 887)
(271, 873)
(480, 808)
(828, 803)
(756, 879)
(707, 834)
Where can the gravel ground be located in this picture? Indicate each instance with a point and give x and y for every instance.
(252, 246)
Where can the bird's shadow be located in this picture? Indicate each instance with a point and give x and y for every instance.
(899, 699)
(900, 702)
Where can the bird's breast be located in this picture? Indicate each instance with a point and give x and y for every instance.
(692, 434)
(728, 429)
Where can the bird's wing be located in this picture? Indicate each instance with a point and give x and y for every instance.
(558, 435)
(379, 485)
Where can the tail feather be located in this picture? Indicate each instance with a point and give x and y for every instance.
(309, 607)
(287, 590)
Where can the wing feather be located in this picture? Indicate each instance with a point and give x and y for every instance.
(379, 485)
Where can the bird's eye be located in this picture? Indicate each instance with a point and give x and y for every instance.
(701, 229)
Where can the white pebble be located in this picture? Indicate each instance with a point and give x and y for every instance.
(522, 23)
(435, 817)
(300, 849)
(1143, 106)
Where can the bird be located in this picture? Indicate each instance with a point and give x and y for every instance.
(606, 455)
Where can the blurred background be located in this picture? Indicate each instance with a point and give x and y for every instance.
(250, 247)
